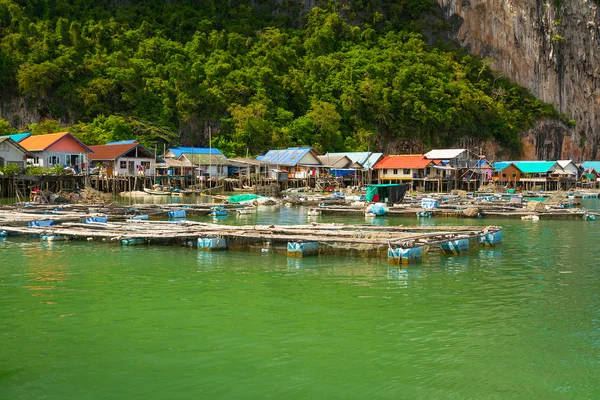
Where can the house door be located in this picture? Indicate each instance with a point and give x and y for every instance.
(131, 167)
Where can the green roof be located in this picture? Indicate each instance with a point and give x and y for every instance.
(206, 159)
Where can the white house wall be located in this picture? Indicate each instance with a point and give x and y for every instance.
(137, 161)
(43, 158)
(11, 154)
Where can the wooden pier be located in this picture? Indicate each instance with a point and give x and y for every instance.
(400, 244)
(470, 211)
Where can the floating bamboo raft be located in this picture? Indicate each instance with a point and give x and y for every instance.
(401, 244)
(485, 211)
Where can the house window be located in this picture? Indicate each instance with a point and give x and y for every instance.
(53, 160)
(514, 175)
(406, 171)
(385, 171)
(145, 165)
(428, 171)
(123, 164)
(504, 175)
(395, 172)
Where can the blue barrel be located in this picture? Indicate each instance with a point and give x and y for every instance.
(100, 220)
(177, 214)
(456, 247)
(401, 255)
(42, 222)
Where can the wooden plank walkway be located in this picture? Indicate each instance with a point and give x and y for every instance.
(297, 240)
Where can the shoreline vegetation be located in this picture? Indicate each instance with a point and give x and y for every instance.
(338, 77)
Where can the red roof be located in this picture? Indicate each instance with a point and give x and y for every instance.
(404, 161)
(115, 151)
(111, 152)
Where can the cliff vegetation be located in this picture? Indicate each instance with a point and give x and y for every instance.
(347, 75)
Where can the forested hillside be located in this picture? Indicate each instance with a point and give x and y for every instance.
(348, 75)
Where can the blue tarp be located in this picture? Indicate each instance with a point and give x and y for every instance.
(342, 172)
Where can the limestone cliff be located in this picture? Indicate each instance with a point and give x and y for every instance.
(551, 47)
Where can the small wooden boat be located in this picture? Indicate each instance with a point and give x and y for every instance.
(158, 192)
(245, 189)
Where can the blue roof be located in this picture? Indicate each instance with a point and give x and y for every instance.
(527, 167)
(482, 163)
(535, 167)
(290, 156)
(499, 166)
(365, 158)
(595, 165)
(178, 151)
(130, 141)
(17, 137)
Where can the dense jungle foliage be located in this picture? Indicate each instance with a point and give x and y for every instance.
(347, 75)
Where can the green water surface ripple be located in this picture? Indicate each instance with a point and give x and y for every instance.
(100, 321)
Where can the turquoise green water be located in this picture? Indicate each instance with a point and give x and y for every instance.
(94, 320)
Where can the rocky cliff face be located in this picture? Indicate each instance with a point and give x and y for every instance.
(551, 47)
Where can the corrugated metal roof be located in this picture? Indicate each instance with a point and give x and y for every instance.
(178, 151)
(483, 163)
(289, 157)
(595, 165)
(205, 159)
(535, 167)
(17, 137)
(365, 158)
(42, 142)
(501, 165)
(339, 161)
(417, 161)
(564, 163)
(444, 154)
(129, 141)
(114, 151)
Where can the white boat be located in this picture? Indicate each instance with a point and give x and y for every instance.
(313, 212)
(530, 218)
(158, 192)
(245, 211)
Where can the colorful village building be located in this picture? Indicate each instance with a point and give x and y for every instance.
(124, 158)
(54, 149)
(506, 174)
(361, 171)
(414, 170)
(207, 165)
(590, 176)
(298, 162)
(13, 153)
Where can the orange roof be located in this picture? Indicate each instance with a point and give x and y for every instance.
(42, 142)
(404, 161)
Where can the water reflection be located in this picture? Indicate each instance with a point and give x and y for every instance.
(454, 264)
(404, 275)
